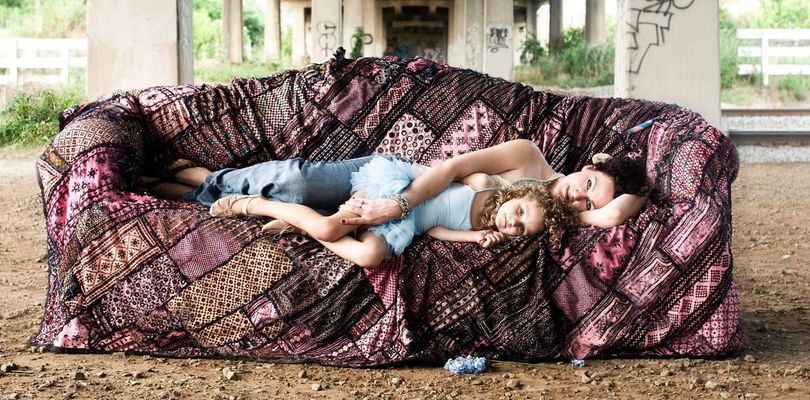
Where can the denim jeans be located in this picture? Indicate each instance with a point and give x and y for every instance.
(323, 186)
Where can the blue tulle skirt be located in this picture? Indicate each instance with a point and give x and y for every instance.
(379, 179)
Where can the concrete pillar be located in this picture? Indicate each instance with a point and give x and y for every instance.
(299, 51)
(499, 20)
(225, 33)
(272, 31)
(146, 56)
(455, 33)
(531, 18)
(236, 24)
(474, 35)
(232, 23)
(185, 47)
(352, 19)
(326, 29)
(372, 23)
(595, 33)
(555, 23)
(670, 54)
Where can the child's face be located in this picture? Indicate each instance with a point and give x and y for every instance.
(520, 217)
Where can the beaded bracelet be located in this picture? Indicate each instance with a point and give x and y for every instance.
(402, 202)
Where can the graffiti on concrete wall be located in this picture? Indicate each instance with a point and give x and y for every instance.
(473, 48)
(648, 26)
(498, 37)
(327, 38)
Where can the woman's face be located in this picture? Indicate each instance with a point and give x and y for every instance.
(520, 217)
(584, 190)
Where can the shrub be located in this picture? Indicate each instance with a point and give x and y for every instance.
(794, 86)
(357, 42)
(32, 118)
(573, 64)
(56, 18)
(254, 25)
(783, 14)
(216, 71)
(728, 50)
(531, 51)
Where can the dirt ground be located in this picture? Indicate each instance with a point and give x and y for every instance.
(771, 227)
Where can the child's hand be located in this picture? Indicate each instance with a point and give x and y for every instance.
(490, 238)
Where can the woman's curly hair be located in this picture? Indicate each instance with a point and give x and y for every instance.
(629, 175)
(558, 215)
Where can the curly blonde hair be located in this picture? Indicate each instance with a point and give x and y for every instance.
(558, 215)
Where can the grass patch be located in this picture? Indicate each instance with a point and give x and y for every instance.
(793, 87)
(214, 71)
(31, 119)
(573, 64)
(740, 94)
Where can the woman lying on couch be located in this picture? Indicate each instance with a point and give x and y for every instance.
(604, 194)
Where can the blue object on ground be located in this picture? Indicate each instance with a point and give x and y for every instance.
(578, 363)
(466, 365)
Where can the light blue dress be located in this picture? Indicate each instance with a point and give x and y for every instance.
(382, 177)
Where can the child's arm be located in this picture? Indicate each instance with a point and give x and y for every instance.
(613, 213)
(486, 238)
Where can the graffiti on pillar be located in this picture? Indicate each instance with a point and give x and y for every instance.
(498, 37)
(327, 38)
(473, 48)
(648, 25)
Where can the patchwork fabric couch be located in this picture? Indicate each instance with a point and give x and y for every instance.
(131, 272)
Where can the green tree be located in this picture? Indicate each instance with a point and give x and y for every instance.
(783, 14)
(728, 49)
(53, 19)
(254, 24)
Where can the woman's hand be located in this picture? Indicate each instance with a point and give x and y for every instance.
(489, 238)
(371, 212)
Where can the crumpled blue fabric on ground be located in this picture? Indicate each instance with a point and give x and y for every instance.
(578, 363)
(466, 365)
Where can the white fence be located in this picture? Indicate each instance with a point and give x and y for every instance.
(43, 61)
(777, 58)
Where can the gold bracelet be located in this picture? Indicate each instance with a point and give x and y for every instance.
(402, 202)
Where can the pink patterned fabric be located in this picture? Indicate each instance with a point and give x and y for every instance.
(129, 272)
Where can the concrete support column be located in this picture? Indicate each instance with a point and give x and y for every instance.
(232, 30)
(299, 51)
(272, 31)
(326, 29)
(372, 23)
(352, 19)
(595, 33)
(455, 34)
(146, 56)
(474, 35)
(656, 55)
(531, 18)
(555, 23)
(499, 49)
(185, 46)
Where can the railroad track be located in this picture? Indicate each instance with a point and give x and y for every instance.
(764, 112)
(795, 137)
(799, 137)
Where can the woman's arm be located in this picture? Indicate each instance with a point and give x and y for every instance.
(485, 239)
(519, 155)
(613, 213)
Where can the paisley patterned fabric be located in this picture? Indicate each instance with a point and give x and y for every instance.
(130, 272)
